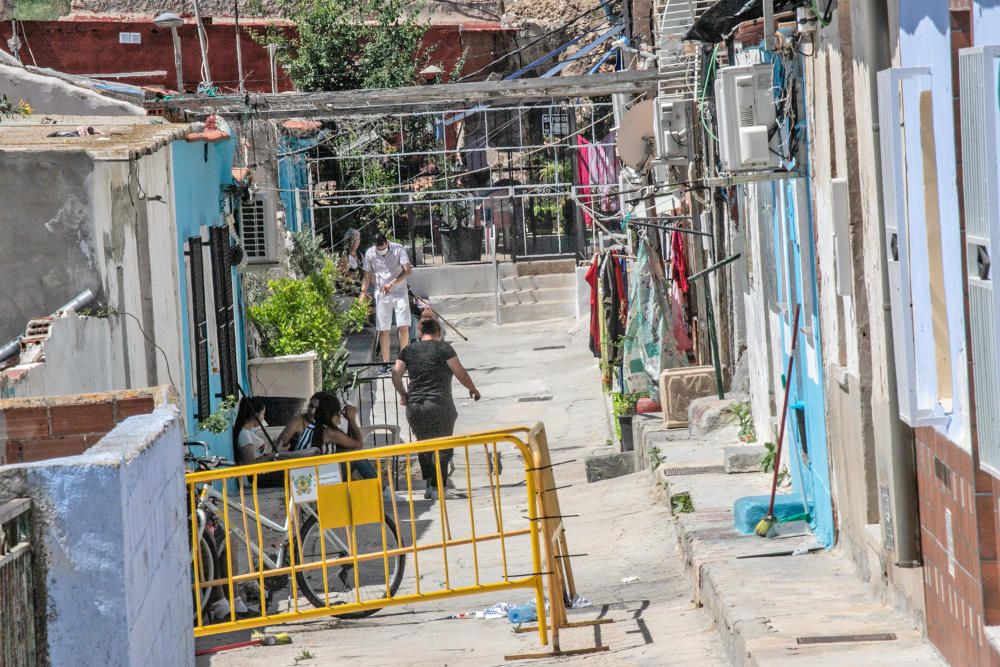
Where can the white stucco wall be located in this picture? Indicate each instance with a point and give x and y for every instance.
(78, 360)
(115, 546)
(50, 95)
(137, 253)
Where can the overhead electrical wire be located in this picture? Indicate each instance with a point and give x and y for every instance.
(522, 48)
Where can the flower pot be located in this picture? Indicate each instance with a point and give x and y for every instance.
(625, 422)
(462, 244)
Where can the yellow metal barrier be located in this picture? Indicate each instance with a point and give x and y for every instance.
(307, 538)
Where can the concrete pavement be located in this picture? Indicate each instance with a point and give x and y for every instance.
(526, 373)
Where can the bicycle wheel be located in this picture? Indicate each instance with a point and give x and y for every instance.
(344, 585)
(209, 557)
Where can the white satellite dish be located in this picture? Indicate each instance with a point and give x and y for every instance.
(636, 136)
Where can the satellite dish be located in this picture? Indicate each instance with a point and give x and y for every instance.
(636, 136)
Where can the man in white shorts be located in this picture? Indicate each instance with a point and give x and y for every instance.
(390, 265)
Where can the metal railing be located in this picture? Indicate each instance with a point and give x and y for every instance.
(349, 547)
(17, 608)
(377, 402)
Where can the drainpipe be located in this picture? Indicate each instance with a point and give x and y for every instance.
(903, 473)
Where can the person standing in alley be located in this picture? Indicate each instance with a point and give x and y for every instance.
(430, 409)
(390, 266)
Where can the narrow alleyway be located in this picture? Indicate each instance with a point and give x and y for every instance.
(621, 533)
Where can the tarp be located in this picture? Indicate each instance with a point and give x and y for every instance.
(650, 346)
(724, 16)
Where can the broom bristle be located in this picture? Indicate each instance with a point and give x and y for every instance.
(764, 526)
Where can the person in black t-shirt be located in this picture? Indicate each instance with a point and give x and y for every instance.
(430, 409)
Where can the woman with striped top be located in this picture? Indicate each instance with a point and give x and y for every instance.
(318, 429)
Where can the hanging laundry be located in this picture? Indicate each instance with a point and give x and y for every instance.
(650, 342)
(678, 321)
(605, 173)
(583, 177)
(595, 325)
(613, 297)
(678, 261)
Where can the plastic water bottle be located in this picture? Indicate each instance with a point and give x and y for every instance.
(522, 614)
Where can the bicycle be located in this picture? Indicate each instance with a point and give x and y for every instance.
(343, 583)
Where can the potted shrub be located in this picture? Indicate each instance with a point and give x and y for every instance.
(418, 251)
(623, 407)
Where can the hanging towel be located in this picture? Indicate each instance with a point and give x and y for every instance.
(583, 177)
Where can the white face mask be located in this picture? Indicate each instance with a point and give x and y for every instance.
(382, 253)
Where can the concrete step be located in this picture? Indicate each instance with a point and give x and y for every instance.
(550, 295)
(546, 266)
(544, 281)
(454, 305)
(536, 312)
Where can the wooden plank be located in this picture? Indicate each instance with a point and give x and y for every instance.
(415, 98)
(13, 509)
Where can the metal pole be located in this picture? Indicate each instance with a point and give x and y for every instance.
(202, 43)
(239, 48)
(177, 60)
(271, 51)
(15, 43)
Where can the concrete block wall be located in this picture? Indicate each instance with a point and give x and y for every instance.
(112, 546)
(37, 429)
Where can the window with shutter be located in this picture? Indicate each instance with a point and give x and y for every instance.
(979, 76)
(913, 239)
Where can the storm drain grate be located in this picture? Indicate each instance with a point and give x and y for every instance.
(533, 399)
(836, 639)
(694, 470)
(548, 347)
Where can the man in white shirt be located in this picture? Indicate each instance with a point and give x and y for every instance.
(390, 265)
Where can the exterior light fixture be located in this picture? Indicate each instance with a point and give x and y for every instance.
(173, 21)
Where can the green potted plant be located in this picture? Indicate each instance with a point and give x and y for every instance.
(623, 407)
(743, 414)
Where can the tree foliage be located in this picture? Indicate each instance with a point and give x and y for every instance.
(299, 315)
(351, 44)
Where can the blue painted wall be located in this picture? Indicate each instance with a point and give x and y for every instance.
(201, 171)
(986, 22)
(293, 173)
(794, 265)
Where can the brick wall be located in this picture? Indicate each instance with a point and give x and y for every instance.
(959, 565)
(37, 429)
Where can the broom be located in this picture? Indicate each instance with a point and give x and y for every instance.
(764, 525)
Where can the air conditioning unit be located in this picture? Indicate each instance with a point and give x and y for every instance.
(259, 229)
(746, 113)
(671, 120)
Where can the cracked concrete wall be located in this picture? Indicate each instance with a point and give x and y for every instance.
(108, 226)
(47, 226)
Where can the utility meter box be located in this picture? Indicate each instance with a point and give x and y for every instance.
(671, 120)
(746, 111)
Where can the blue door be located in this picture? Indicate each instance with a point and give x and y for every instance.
(805, 428)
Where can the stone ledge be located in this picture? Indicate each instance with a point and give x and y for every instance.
(761, 605)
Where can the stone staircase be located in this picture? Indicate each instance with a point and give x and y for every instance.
(529, 292)
(538, 297)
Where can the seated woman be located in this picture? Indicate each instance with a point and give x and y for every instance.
(350, 264)
(251, 444)
(319, 430)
